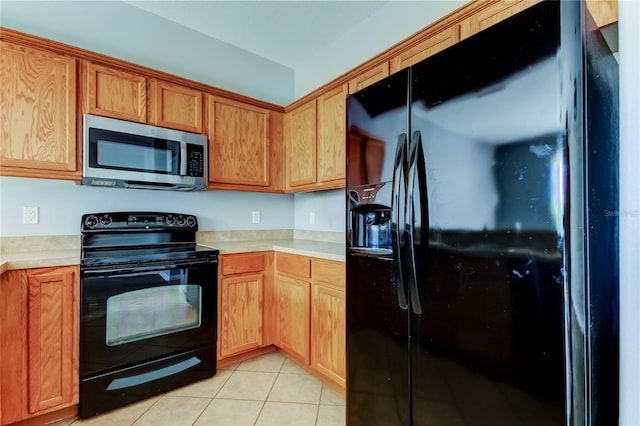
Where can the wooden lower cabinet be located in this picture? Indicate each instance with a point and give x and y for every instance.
(328, 326)
(245, 303)
(311, 313)
(241, 318)
(39, 319)
(293, 317)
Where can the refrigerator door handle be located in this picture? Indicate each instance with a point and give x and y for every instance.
(416, 169)
(397, 206)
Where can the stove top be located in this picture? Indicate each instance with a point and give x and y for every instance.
(140, 256)
(141, 238)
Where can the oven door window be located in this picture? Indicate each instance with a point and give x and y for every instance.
(168, 305)
(122, 151)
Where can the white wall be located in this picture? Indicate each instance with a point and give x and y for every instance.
(123, 31)
(629, 40)
(61, 205)
(389, 25)
(329, 208)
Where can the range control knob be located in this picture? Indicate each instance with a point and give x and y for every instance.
(106, 220)
(170, 220)
(90, 221)
(191, 221)
(181, 220)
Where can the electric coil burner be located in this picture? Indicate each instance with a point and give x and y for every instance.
(148, 307)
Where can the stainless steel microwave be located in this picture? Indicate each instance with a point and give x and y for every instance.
(124, 154)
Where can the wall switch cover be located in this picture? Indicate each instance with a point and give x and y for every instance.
(255, 217)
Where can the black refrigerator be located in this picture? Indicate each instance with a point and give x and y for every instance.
(482, 231)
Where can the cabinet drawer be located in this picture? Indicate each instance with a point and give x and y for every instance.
(242, 263)
(294, 265)
(329, 272)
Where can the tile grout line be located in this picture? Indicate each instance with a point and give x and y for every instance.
(145, 411)
(270, 389)
(214, 395)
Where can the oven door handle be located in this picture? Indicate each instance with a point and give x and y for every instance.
(128, 269)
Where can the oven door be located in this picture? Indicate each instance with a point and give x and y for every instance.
(142, 314)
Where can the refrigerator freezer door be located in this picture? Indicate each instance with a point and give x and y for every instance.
(377, 315)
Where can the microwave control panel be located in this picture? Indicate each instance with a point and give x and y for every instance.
(195, 161)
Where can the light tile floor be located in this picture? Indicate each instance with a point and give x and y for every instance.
(267, 390)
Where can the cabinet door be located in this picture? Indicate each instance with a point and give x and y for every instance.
(301, 145)
(238, 142)
(114, 93)
(293, 317)
(13, 344)
(332, 135)
(493, 14)
(240, 314)
(39, 341)
(425, 48)
(604, 12)
(51, 316)
(174, 106)
(328, 333)
(37, 112)
(367, 78)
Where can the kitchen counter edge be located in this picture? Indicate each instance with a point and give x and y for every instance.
(50, 258)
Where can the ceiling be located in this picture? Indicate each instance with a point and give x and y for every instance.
(286, 32)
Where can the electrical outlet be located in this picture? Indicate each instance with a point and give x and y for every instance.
(312, 218)
(30, 215)
(255, 217)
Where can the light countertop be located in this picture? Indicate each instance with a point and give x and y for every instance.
(66, 256)
(320, 249)
(39, 259)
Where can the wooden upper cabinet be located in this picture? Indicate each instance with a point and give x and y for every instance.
(425, 48)
(604, 12)
(301, 145)
(238, 142)
(331, 127)
(39, 322)
(174, 106)
(492, 14)
(115, 93)
(37, 113)
(367, 78)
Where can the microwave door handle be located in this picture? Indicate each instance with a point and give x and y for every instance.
(183, 159)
